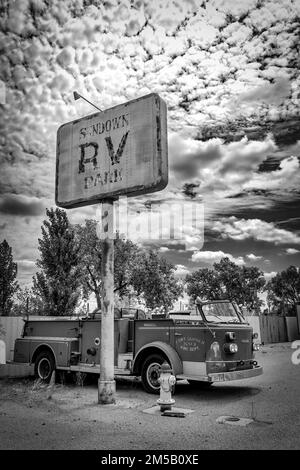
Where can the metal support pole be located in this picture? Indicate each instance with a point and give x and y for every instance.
(106, 383)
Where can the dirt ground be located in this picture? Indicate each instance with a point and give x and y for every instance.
(32, 416)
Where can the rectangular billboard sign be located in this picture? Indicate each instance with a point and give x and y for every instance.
(120, 151)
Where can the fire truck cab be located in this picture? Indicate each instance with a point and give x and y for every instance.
(213, 343)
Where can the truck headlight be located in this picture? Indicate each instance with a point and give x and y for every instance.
(255, 347)
(231, 348)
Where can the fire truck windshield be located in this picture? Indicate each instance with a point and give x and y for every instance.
(221, 312)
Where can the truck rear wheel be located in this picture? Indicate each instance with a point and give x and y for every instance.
(151, 372)
(44, 366)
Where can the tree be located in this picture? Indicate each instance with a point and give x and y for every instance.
(153, 278)
(137, 271)
(230, 277)
(253, 281)
(273, 302)
(27, 302)
(204, 283)
(284, 289)
(125, 253)
(229, 281)
(8, 274)
(241, 283)
(58, 283)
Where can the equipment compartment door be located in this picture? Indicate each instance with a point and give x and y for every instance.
(189, 342)
(149, 331)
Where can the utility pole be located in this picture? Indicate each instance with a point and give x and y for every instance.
(106, 383)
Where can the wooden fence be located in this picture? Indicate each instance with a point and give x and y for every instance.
(273, 329)
(11, 328)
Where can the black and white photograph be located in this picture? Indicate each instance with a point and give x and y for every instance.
(149, 228)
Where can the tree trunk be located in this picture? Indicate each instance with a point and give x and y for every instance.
(98, 299)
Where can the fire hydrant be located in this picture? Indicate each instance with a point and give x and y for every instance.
(167, 381)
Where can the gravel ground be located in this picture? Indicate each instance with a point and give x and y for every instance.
(72, 419)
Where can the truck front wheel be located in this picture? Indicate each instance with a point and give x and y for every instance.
(44, 366)
(150, 373)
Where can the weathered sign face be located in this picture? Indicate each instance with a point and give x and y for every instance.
(121, 151)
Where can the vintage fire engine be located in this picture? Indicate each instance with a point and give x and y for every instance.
(212, 344)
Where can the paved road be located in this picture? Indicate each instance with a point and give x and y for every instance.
(72, 419)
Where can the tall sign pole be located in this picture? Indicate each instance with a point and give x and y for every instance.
(106, 383)
(120, 151)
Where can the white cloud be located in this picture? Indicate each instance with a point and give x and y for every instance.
(164, 249)
(181, 270)
(253, 257)
(26, 265)
(270, 13)
(286, 177)
(244, 229)
(269, 93)
(237, 33)
(200, 32)
(292, 251)
(214, 257)
(66, 56)
(270, 275)
(222, 169)
(234, 8)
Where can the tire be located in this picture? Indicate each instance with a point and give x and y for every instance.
(199, 384)
(44, 366)
(150, 373)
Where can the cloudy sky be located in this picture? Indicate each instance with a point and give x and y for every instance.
(229, 73)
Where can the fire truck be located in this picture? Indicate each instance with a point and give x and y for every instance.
(212, 343)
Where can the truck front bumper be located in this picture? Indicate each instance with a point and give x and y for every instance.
(235, 375)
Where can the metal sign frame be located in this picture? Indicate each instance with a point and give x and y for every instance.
(143, 142)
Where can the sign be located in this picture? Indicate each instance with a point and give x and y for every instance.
(120, 151)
